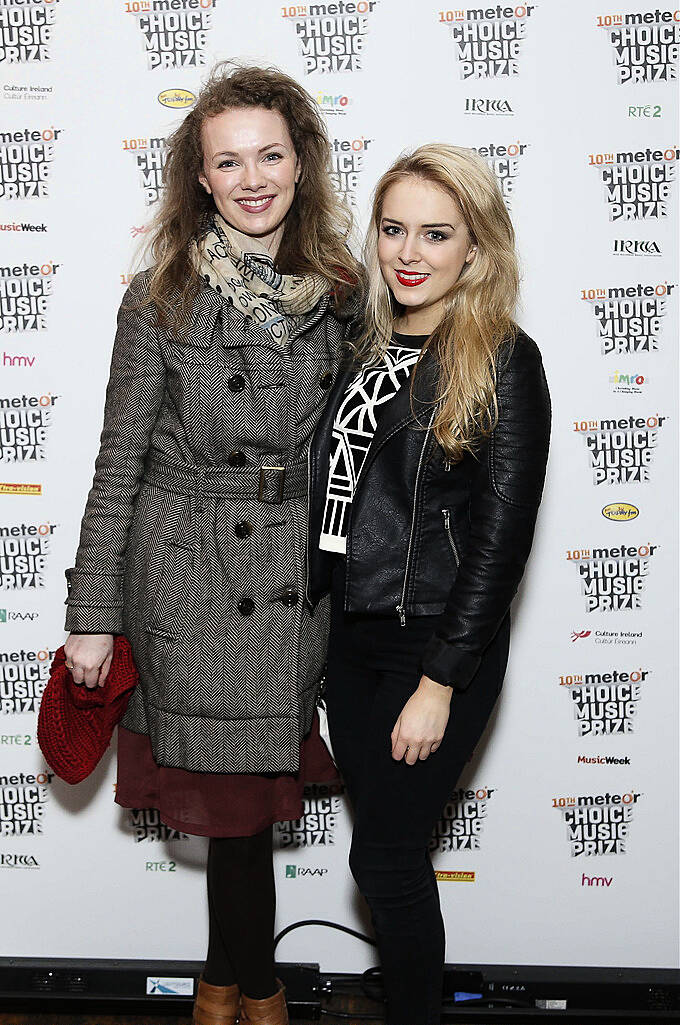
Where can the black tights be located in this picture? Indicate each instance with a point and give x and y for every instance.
(241, 905)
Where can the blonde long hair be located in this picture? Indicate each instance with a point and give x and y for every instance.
(479, 309)
(318, 225)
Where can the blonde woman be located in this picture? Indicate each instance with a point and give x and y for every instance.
(193, 538)
(427, 471)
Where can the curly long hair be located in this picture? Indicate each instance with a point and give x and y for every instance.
(318, 225)
(479, 309)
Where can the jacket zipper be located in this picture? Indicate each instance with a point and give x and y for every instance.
(447, 526)
(309, 496)
(401, 606)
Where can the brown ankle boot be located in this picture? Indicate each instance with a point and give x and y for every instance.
(270, 1011)
(216, 1005)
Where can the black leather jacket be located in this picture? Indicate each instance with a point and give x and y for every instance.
(429, 538)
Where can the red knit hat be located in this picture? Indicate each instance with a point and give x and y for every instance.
(75, 722)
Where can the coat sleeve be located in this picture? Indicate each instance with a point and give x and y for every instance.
(133, 399)
(505, 494)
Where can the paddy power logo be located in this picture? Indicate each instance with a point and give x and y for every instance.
(25, 162)
(149, 156)
(23, 677)
(630, 317)
(331, 37)
(487, 40)
(146, 824)
(645, 45)
(175, 32)
(24, 552)
(621, 450)
(598, 823)
(24, 424)
(347, 163)
(462, 821)
(25, 291)
(605, 703)
(23, 798)
(613, 579)
(26, 30)
(637, 185)
(316, 828)
(504, 161)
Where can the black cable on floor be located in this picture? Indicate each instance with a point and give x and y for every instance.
(353, 1015)
(328, 925)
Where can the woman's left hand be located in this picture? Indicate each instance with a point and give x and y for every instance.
(419, 730)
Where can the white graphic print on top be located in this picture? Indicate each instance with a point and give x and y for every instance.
(353, 429)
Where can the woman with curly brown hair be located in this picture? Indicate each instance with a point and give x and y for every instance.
(193, 539)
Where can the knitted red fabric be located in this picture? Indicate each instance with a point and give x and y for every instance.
(75, 723)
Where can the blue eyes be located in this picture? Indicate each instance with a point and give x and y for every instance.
(270, 158)
(392, 230)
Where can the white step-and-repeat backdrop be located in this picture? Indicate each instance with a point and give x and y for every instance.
(560, 845)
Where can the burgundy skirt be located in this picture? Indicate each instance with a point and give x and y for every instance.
(218, 804)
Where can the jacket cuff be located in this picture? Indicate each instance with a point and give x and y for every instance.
(94, 602)
(447, 664)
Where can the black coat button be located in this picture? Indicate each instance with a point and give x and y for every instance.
(243, 529)
(236, 458)
(236, 383)
(326, 380)
(290, 597)
(246, 606)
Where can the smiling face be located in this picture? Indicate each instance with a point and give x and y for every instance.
(423, 245)
(250, 168)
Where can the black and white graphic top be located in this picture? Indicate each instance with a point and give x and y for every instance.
(353, 429)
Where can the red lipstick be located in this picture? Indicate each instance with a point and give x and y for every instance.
(410, 278)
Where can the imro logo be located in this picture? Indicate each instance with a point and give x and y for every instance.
(629, 318)
(621, 450)
(625, 383)
(175, 32)
(26, 31)
(645, 45)
(331, 37)
(25, 158)
(149, 154)
(333, 103)
(613, 579)
(487, 40)
(637, 184)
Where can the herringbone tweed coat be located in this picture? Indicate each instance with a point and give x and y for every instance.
(178, 552)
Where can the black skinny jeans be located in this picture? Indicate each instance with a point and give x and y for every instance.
(373, 668)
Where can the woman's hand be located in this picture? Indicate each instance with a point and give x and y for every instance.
(419, 729)
(88, 656)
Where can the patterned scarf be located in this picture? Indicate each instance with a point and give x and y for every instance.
(240, 267)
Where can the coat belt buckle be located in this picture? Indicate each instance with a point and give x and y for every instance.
(266, 481)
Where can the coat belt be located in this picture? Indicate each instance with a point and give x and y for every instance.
(269, 484)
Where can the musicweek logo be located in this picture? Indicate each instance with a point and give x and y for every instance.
(620, 450)
(637, 184)
(461, 823)
(605, 703)
(629, 318)
(487, 41)
(331, 36)
(613, 579)
(644, 45)
(26, 31)
(149, 154)
(174, 32)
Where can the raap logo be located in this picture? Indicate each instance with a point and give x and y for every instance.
(628, 384)
(630, 317)
(24, 551)
(621, 450)
(25, 162)
(21, 861)
(334, 104)
(25, 421)
(613, 579)
(637, 185)
(347, 163)
(149, 154)
(23, 677)
(488, 107)
(16, 616)
(298, 871)
(316, 828)
(462, 821)
(487, 40)
(605, 703)
(504, 161)
(23, 797)
(331, 36)
(176, 99)
(636, 247)
(145, 824)
(175, 32)
(25, 291)
(645, 46)
(598, 823)
(26, 30)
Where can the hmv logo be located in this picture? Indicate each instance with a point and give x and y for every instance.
(604, 881)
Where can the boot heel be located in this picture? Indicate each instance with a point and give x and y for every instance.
(270, 1011)
(216, 1005)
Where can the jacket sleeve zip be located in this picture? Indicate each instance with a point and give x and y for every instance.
(447, 526)
(401, 607)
